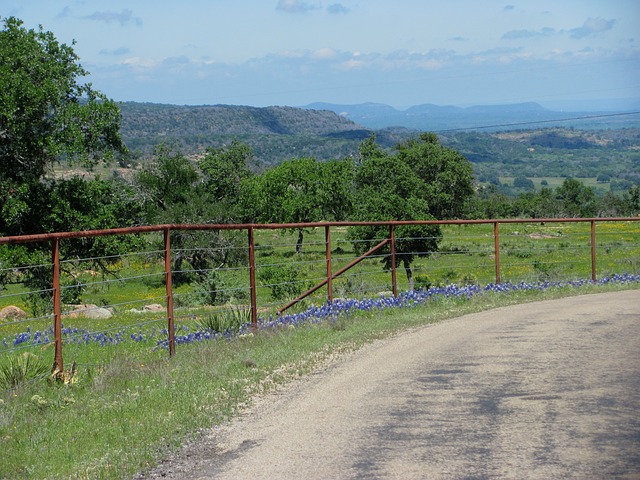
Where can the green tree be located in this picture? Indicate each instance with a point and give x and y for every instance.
(224, 169)
(631, 201)
(540, 204)
(388, 189)
(166, 184)
(447, 175)
(85, 205)
(46, 115)
(299, 190)
(523, 182)
(576, 199)
(490, 202)
(336, 188)
(370, 149)
(422, 181)
(172, 191)
(412, 240)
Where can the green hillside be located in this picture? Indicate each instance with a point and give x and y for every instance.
(280, 133)
(275, 133)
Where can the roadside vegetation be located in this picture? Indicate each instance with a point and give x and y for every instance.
(116, 419)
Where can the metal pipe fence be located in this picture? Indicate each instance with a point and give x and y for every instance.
(162, 294)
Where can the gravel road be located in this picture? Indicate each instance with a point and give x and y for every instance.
(542, 390)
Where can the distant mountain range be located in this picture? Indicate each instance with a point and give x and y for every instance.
(434, 118)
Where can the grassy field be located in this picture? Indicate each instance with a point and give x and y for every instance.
(529, 252)
(555, 182)
(129, 403)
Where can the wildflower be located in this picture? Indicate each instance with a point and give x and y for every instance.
(327, 311)
(38, 401)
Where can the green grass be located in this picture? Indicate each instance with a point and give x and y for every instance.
(123, 416)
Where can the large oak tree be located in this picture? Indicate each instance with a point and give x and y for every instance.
(47, 115)
(423, 181)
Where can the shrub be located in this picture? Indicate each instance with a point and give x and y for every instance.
(20, 368)
(523, 182)
(348, 286)
(422, 281)
(469, 279)
(282, 280)
(449, 276)
(544, 270)
(228, 320)
(215, 289)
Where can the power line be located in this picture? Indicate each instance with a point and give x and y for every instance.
(586, 117)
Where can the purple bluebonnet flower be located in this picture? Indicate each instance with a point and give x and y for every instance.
(325, 312)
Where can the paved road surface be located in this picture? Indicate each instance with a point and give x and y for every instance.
(547, 390)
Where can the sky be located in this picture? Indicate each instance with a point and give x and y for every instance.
(564, 54)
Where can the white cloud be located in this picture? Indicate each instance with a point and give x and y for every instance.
(296, 6)
(352, 64)
(519, 34)
(337, 9)
(290, 54)
(64, 13)
(116, 51)
(592, 26)
(125, 17)
(139, 63)
(324, 53)
(299, 77)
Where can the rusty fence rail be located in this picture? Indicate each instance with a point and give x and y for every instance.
(474, 251)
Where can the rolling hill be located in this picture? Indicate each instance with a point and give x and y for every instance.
(274, 133)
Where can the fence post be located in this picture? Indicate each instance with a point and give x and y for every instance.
(169, 289)
(593, 250)
(496, 242)
(252, 280)
(57, 307)
(327, 239)
(394, 283)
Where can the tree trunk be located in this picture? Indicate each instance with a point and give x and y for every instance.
(299, 242)
(407, 269)
(177, 275)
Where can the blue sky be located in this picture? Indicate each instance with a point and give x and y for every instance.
(568, 54)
